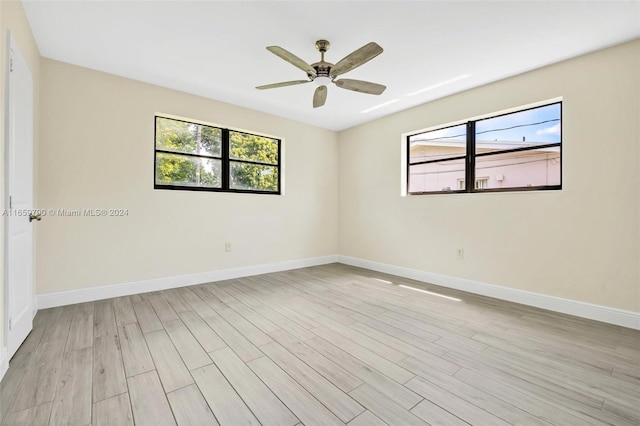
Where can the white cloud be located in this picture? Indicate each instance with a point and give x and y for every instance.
(553, 130)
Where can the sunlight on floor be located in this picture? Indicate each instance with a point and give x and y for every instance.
(429, 292)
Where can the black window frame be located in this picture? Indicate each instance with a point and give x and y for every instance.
(224, 158)
(470, 156)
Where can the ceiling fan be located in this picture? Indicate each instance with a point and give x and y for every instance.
(322, 73)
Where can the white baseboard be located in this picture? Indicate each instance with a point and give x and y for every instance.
(572, 307)
(4, 362)
(566, 306)
(70, 297)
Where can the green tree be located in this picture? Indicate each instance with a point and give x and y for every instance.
(259, 172)
(182, 137)
(253, 148)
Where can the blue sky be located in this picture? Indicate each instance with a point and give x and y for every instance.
(547, 131)
(511, 127)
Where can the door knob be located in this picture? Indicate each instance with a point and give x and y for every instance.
(33, 217)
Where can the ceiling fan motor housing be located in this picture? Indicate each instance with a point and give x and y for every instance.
(322, 68)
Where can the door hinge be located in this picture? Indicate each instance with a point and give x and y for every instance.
(11, 64)
(10, 202)
(10, 323)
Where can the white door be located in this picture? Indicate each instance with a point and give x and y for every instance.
(19, 200)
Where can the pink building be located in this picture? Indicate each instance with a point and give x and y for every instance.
(536, 167)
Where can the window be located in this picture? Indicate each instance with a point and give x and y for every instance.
(510, 152)
(481, 183)
(195, 156)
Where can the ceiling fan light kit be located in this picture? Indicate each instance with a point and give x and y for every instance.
(324, 73)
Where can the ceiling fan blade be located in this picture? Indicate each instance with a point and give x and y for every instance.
(357, 58)
(283, 84)
(360, 86)
(320, 96)
(292, 59)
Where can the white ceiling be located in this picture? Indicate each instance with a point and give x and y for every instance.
(217, 49)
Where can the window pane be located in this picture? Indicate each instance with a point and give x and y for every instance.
(538, 126)
(248, 147)
(435, 177)
(538, 167)
(191, 138)
(184, 170)
(438, 144)
(254, 177)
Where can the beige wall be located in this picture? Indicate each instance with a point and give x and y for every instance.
(96, 151)
(14, 20)
(581, 243)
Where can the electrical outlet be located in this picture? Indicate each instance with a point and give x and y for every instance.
(227, 247)
(460, 254)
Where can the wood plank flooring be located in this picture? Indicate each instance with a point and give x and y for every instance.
(325, 345)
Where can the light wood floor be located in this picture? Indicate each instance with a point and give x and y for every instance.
(324, 345)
